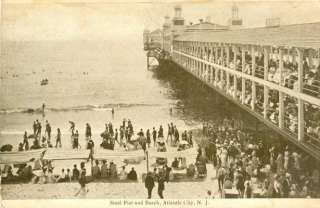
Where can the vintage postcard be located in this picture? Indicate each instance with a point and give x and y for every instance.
(159, 103)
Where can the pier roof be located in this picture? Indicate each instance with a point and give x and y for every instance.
(298, 35)
(205, 27)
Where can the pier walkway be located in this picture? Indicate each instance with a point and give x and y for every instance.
(271, 72)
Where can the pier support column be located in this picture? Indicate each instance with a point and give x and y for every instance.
(266, 89)
(221, 64)
(243, 81)
(281, 110)
(212, 74)
(216, 54)
(216, 75)
(235, 80)
(221, 60)
(227, 64)
(300, 101)
(281, 94)
(212, 53)
(253, 90)
(280, 66)
(228, 55)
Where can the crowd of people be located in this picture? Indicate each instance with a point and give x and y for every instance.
(124, 136)
(255, 169)
(242, 161)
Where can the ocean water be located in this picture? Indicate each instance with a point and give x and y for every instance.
(89, 78)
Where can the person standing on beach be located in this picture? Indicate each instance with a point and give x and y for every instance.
(25, 141)
(76, 140)
(176, 135)
(88, 133)
(72, 127)
(169, 133)
(121, 135)
(148, 137)
(34, 126)
(149, 184)
(190, 141)
(110, 129)
(160, 132)
(48, 130)
(126, 135)
(58, 140)
(161, 181)
(82, 181)
(38, 128)
(112, 112)
(75, 173)
(154, 136)
(90, 147)
(82, 193)
(116, 135)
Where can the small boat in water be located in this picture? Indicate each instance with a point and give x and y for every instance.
(44, 82)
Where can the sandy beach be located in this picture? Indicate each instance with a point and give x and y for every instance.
(178, 190)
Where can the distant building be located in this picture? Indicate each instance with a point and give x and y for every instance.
(167, 39)
(146, 38)
(155, 38)
(235, 22)
(178, 25)
(205, 27)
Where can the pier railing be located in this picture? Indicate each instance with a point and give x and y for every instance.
(250, 81)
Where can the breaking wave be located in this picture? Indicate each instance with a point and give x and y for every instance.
(104, 107)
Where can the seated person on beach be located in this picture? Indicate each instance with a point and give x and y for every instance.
(20, 147)
(227, 183)
(107, 144)
(75, 173)
(113, 170)
(27, 173)
(6, 148)
(95, 171)
(8, 176)
(35, 145)
(175, 163)
(61, 178)
(105, 172)
(161, 148)
(20, 168)
(201, 168)
(50, 177)
(132, 175)
(191, 170)
(68, 176)
(123, 174)
(43, 176)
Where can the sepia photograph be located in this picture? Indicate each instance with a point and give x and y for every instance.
(175, 103)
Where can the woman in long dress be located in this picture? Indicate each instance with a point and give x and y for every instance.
(280, 164)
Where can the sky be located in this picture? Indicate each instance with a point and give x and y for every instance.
(31, 20)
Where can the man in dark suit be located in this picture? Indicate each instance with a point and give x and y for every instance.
(161, 181)
(149, 184)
